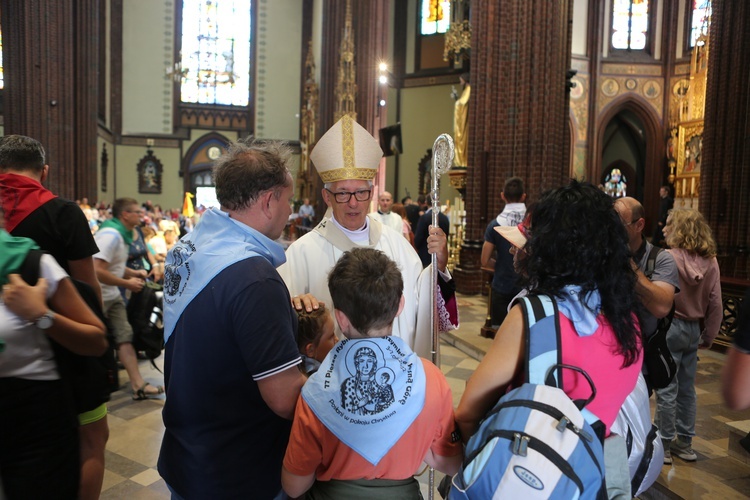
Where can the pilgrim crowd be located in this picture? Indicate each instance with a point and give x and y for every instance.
(305, 371)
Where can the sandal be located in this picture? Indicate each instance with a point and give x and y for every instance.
(141, 394)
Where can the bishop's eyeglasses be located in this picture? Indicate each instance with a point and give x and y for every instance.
(345, 196)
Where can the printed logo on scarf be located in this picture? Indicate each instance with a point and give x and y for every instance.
(376, 385)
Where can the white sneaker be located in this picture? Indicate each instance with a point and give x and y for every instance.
(683, 450)
(667, 456)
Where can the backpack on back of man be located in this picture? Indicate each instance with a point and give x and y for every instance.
(90, 379)
(146, 318)
(536, 442)
(660, 365)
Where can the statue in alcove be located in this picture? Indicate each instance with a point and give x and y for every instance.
(461, 121)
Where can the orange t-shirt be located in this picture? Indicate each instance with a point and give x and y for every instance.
(313, 448)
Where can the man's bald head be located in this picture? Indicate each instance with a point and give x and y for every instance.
(385, 202)
(632, 206)
(632, 215)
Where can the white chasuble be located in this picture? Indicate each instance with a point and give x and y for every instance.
(311, 257)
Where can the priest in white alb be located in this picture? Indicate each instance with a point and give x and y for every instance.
(347, 158)
(384, 214)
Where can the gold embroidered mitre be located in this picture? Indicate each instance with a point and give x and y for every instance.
(346, 151)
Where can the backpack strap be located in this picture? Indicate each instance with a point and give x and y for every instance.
(651, 261)
(543, 356)
(665, 322)
(542, 352)
(30, 268)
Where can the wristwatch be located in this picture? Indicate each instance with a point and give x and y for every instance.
(46, 320)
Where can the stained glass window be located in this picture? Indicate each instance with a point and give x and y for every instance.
(629, 24)
(436, 17)
(216, 52)
(700, 19)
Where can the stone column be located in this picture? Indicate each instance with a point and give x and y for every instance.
(725, 168)
(518, 111)
(50, 58)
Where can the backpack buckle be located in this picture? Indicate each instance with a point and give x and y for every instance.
(520, 444)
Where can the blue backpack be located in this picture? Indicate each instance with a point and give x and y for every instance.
(536, 442)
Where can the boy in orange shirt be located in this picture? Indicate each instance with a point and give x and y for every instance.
(374, 411)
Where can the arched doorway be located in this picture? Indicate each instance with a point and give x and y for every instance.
(624, 151)
(197, 164)
(629, 135)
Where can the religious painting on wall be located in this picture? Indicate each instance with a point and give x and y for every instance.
(149, 174)
(690, 148)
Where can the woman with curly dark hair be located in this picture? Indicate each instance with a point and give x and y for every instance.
(577, 253)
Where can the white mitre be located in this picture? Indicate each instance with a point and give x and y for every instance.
(346, 151)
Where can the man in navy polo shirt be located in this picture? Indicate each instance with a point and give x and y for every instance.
(231, 356)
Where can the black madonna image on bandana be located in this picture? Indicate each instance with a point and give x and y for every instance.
(368, 392)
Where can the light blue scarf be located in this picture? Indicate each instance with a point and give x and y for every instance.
(583, 314)
(216, 243)
(368, 392)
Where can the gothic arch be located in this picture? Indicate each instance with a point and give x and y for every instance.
(197, 158)
(655, 163)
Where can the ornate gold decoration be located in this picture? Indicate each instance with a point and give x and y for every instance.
(690, 111)
(577, 91)
(678, 101)
(346, 83)
(610, 87)
(696, 93)
(458, 41)
(346, 151)
(309, 126)
(457, 177)
(689, 148)
(651, 89)
(456, 237)
(631, 69)
(347, 143)
(672, 153)
(579, 106)
(680, 88)
(364, 174)
(614, 86)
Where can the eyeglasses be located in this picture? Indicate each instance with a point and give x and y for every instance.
(134, 211)
(345, 196)
(631, 222)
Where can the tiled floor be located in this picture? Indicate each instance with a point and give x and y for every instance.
(136, 428)
(715, 474)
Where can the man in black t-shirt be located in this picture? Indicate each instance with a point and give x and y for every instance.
(60, 228)
(495, 250)
(415, 210)
(423, 232)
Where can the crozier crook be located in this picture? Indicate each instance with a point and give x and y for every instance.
(443, 152)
